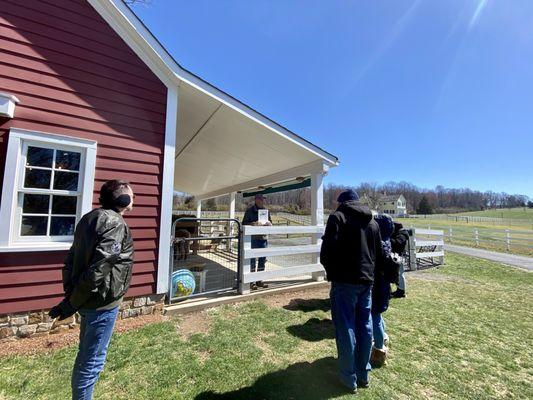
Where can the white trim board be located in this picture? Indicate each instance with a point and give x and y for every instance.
(12, 175)
(165, 224)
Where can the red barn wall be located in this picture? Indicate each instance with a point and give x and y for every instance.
(74, 76)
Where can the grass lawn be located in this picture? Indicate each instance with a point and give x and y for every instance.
(464, 332)
(512, 213)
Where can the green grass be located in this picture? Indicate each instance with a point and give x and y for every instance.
(464, 332)
(511, 213)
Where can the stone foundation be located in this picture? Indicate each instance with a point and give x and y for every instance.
(38, 323)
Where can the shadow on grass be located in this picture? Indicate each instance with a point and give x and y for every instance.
(310, 381)
(314, 330)
(308, 305)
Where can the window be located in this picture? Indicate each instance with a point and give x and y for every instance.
(49, 180)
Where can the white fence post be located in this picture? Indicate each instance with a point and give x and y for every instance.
(412, 251)
(476, 237)
(246, 240)
(508, 239)
(451, 235)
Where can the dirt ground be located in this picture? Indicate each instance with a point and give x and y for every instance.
(42, 344)
(187, 325)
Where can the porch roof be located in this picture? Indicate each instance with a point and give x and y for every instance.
(220, 149)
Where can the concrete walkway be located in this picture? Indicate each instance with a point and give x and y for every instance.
(504, 258)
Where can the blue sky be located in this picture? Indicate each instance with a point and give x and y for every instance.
(429, 92)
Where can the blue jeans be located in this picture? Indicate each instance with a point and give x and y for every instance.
(96, 328)
(350, 311)
(258, 244)
(378, 327)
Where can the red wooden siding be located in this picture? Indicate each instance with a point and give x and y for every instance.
(74, 76)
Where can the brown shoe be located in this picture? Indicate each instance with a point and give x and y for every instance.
(378, 358)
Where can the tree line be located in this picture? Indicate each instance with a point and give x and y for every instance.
(419, 200)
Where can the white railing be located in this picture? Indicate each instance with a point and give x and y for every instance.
(426, 245)
(247, 253)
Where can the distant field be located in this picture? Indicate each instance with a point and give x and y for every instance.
(514, 213)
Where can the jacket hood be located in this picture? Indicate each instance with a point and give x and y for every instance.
(356, 210)
(386, 226)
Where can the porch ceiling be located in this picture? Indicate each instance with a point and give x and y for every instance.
(219, 148)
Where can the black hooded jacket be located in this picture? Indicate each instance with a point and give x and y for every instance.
(98, 267)
(351, 245)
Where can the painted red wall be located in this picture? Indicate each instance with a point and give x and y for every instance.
(74, 76)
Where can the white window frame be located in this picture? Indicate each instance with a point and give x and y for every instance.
(19, 139)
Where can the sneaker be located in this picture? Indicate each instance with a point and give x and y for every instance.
(362, 384)
(378, 357)
(261, 284)
(398, 294)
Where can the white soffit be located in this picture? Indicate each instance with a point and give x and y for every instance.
(218, 147)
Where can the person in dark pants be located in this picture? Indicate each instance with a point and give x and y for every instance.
(399, 240)
(351, 249)
(96, 275)
(251, 217)
(381, 295)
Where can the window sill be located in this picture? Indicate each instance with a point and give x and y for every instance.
(31, 247)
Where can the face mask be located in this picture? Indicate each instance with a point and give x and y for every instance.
(122, 201)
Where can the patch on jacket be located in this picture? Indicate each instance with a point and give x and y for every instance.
(115, 248)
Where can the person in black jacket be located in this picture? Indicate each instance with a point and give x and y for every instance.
(96, 275)
(351, 249)
(399, 240)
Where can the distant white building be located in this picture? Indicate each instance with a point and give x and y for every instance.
(393, 205)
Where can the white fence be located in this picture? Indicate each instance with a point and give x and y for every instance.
(426, 249)
(470, 219)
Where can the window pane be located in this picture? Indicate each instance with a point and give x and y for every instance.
(64, 205)
(66, 180)
(39, 157)
(35, 204)
(37, 178)
(33, 226)
(62, 226)
(67, 160)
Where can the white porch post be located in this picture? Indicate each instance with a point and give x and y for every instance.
(317, 212)
(198, 208)
(232, 216)
(164, 259)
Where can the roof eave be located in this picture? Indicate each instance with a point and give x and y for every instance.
(133, 31)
